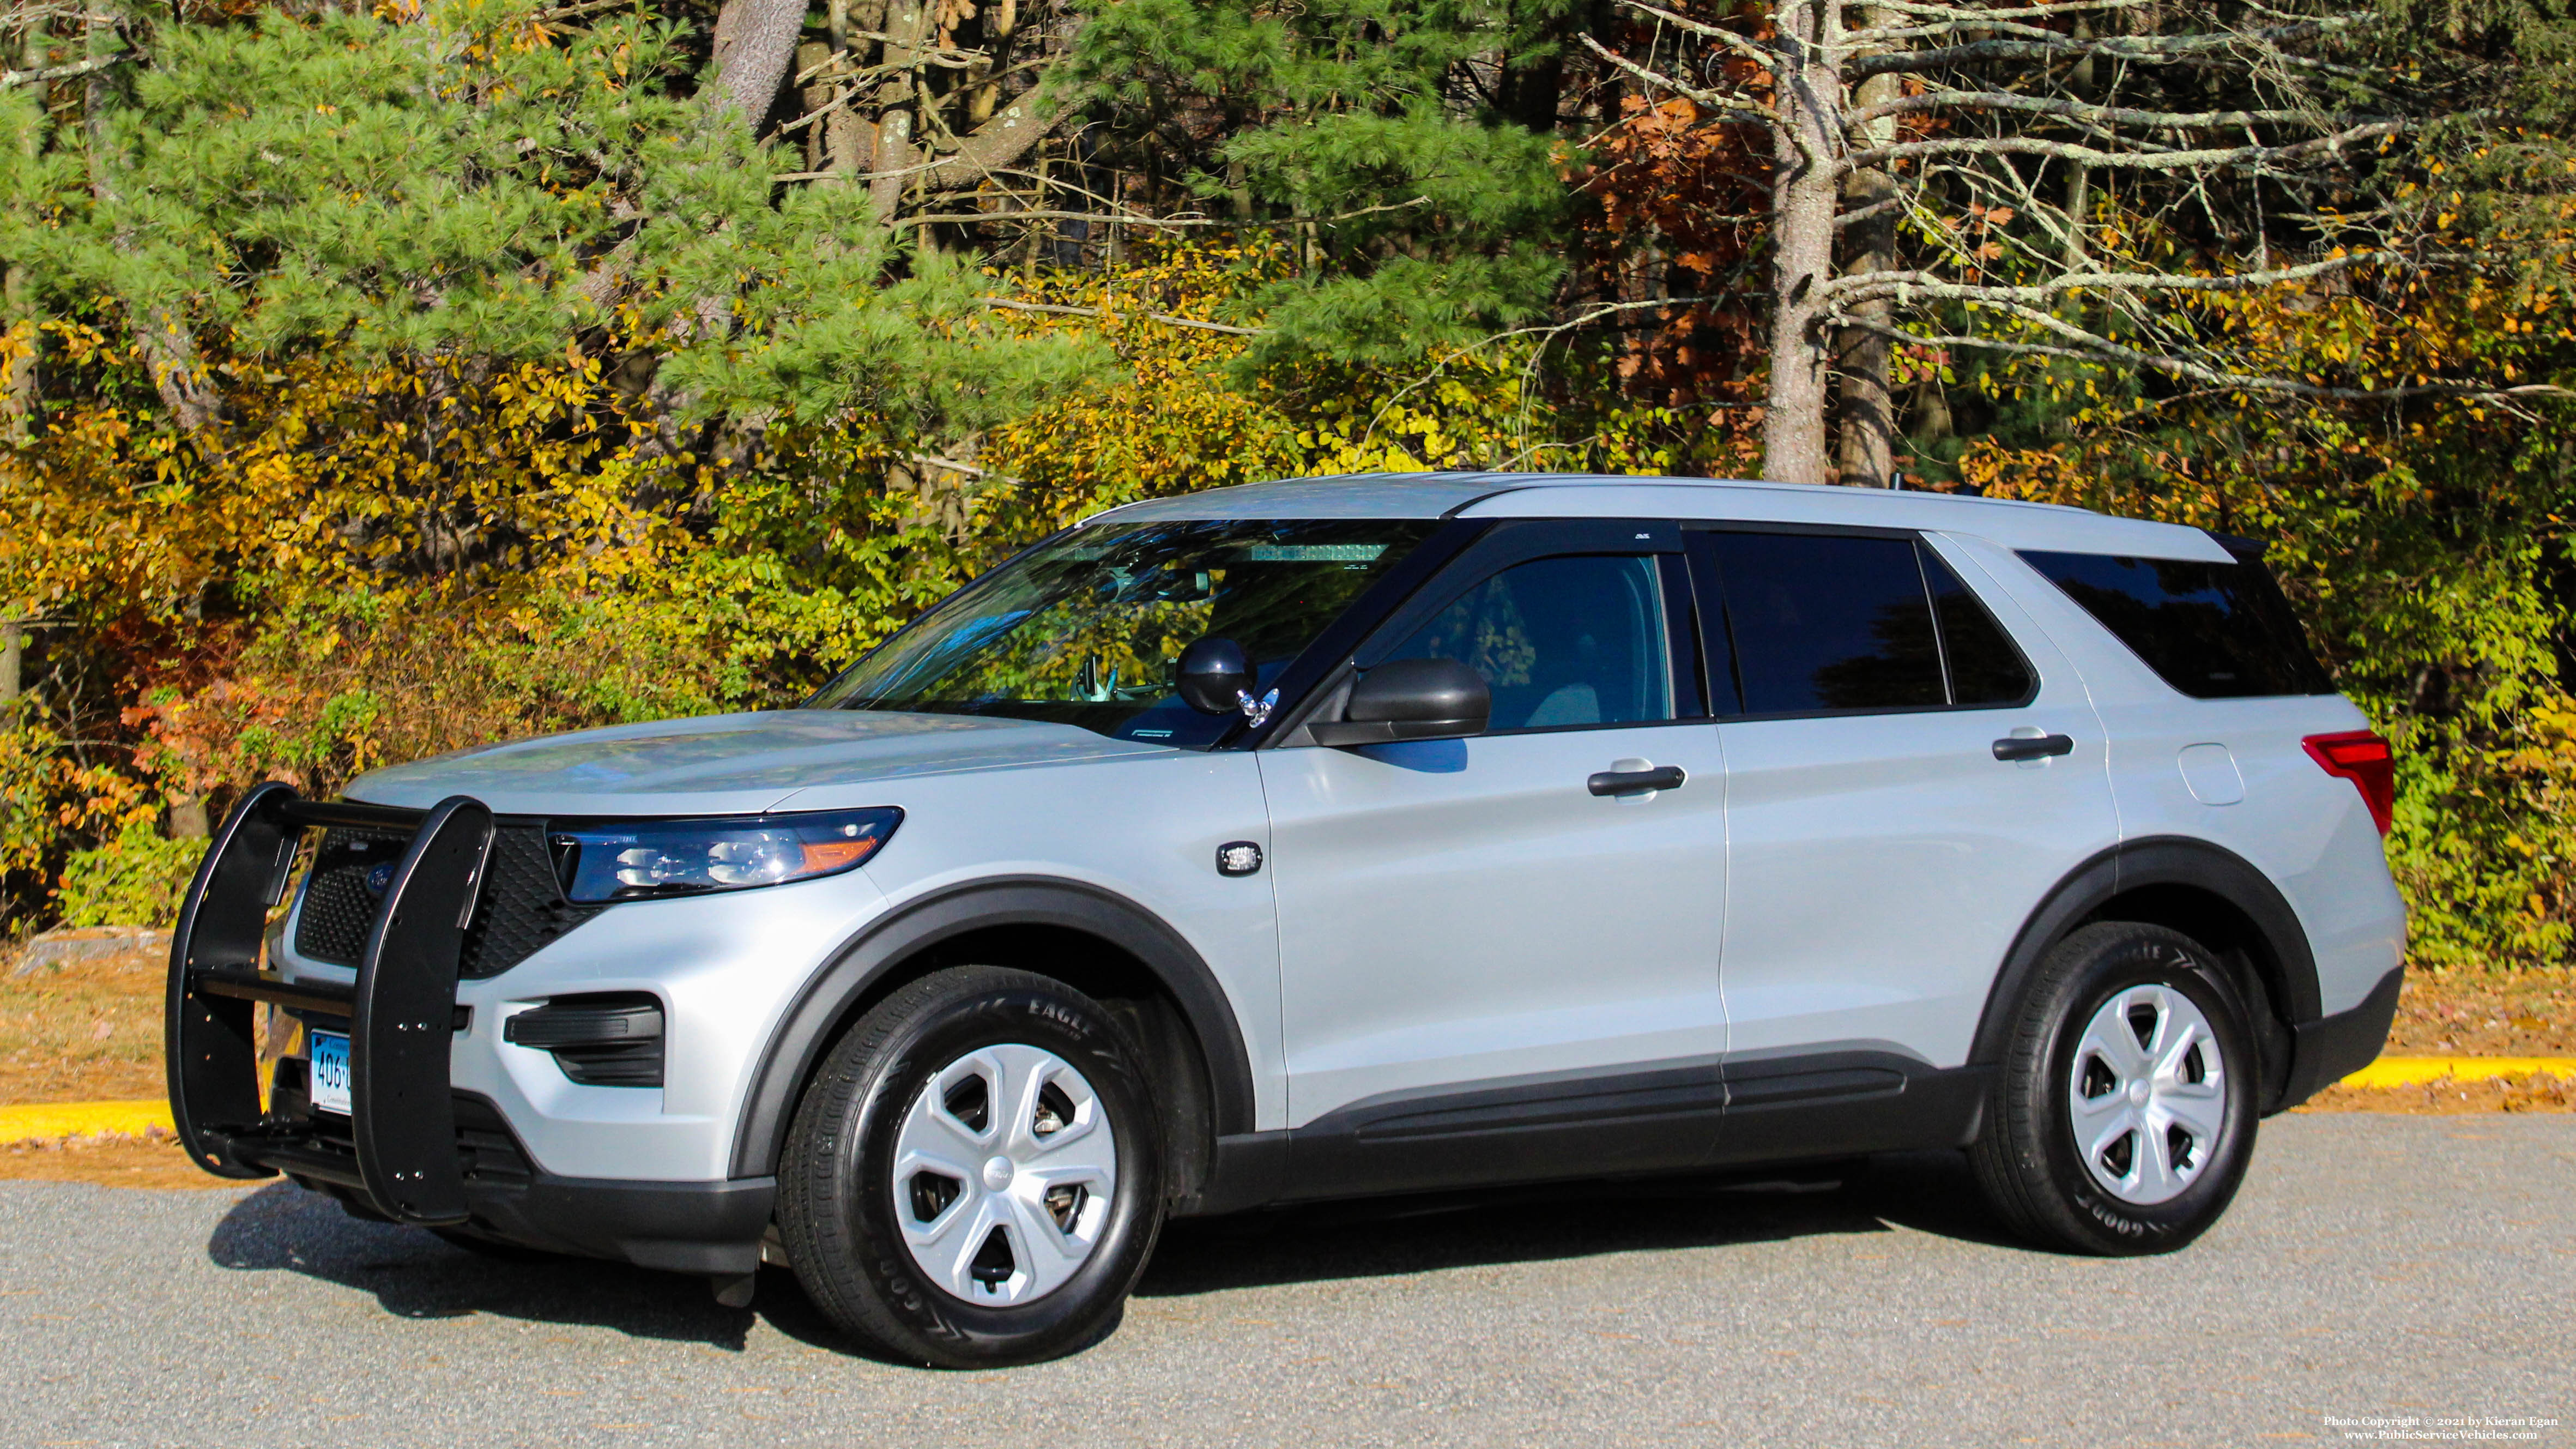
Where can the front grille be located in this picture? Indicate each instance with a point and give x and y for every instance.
(339, 904)
(520, 911)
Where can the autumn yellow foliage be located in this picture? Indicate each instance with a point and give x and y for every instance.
(370, 562)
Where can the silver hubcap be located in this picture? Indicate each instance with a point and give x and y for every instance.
(1004, 1170)
(2148, 1094)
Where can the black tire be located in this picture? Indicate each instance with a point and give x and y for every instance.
(838, 1202)
(2028, 1160)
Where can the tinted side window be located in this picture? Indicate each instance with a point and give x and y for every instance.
(1828, 622)
(1562, 641)
(1985, 668)
(2212, 631)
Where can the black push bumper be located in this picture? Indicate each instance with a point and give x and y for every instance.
(401, 1011)
(413, 1149)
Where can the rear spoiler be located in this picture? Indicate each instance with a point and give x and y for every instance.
(402, 1009)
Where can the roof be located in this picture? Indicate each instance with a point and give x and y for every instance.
(2012, 524)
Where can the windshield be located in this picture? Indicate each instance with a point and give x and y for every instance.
(1084, 629)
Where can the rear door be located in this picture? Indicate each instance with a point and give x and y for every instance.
(1487, 969)
(1882, 856)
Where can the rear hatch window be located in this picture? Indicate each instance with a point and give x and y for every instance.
(2211, 630)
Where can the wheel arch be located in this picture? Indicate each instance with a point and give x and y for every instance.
(2205, 891)
(1093, 940)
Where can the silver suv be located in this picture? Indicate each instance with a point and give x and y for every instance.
(1337, 837)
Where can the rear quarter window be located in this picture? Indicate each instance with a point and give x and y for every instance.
(2211, 630)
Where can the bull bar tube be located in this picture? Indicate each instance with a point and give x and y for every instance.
(402, 1009)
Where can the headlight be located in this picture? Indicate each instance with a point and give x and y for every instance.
(626, 860)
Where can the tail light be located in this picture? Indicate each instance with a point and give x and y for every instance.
(2363, 758)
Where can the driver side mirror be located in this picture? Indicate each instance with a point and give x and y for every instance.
(1410, 699)
(1214, 676)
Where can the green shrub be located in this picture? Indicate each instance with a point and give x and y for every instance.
(135, 879)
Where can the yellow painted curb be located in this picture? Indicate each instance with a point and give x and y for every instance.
(2415, 1071)
(82, 1119)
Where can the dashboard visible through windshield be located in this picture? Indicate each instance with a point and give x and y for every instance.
(1085, 628)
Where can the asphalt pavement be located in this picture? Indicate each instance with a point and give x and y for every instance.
(2374, 1269)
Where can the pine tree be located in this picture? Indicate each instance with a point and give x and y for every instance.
(1411, 146)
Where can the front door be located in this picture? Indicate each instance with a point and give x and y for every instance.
(1492, 965)
(1904, 783)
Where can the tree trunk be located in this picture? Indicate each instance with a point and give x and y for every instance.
(755, 42)
(1932, 422)
(188, 819)
(18, 404)
(1868, 434)
(849, 137)
(909, 24)
(2079, 177)
(1530, 93)
(813, 96)
(1001, 22)
(1802, 202)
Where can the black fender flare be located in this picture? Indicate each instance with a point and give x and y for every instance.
(796, 1046)
(2151, 861)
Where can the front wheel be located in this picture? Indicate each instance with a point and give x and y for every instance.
(975, 1177)
(2123, 1117)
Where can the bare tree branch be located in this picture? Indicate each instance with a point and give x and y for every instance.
(2097, 115)
(1722, 104)
(1014, 131)
(2126, 160)
(60, 72)
(582, 7)
(1957, 17)
(1750, 49)
(951, 465)
(1928, 287)
(2091, 347)
(1855, 217)
(2142, 50)
(1122, 217)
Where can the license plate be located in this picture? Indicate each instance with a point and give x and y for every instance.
(329, 1077)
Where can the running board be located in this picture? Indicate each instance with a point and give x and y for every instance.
(402, 1010)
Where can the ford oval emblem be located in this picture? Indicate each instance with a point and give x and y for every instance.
(381, 879)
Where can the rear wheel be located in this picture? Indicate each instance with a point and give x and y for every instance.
(974, 1178)
(2123, 1117)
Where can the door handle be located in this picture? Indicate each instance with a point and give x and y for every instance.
(2033, 747)
(1636, 782)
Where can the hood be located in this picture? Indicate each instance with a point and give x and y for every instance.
(727, 764)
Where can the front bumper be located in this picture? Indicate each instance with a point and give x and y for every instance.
(439, 1102)
(680, 1227)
